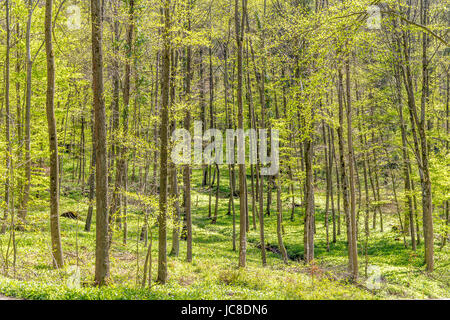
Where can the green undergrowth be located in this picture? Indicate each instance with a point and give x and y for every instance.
(214, 273)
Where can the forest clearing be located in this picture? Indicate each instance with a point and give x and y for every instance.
(230, 150)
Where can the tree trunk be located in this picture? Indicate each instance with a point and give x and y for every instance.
(309, 202)
(353, 249)
(162, 223)
(239, 28)
(8, 121)
(91, 182)
(57, 253)
(187, 126)
(101, 165)
(26, 191)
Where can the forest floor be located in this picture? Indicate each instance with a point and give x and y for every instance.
(398, 271)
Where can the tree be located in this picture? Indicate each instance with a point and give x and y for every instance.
(163, 131)
(239, 29)
(7, 120)
(351, 224)
(101, 164)
(187, 126)
(57, 253)
(29, 63)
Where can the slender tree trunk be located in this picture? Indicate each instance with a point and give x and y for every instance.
(408, 198)
(427, 203)
(280, 221)
(126, 102)
(353, 249)
(101, 165)
(26, 191)
(252, 125)
(8, 120)
(309, 202)
(57, 253)
(330, 168)
(328, 184)
(216, 207)
(239, 28)
(343, 169)
(202, 111)
(173, 185)
(165, 85)
(187, 126)
(91, 182)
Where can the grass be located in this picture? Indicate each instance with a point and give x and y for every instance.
(214, 273)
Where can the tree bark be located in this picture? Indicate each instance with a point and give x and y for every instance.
(353, 249)
(187, 126)
(57, 254)
(239, 28)
(101, 165)
(165, 84)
